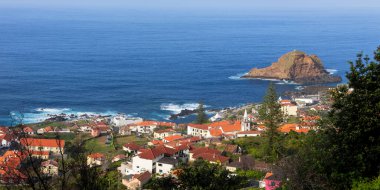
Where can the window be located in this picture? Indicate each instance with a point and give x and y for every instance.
(160, 171)
(159, 164)
(137, 166)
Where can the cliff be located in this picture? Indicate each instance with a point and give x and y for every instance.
(296, 66)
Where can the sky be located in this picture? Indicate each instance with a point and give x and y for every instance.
(195, 4)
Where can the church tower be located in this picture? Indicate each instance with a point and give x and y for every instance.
(245, 123)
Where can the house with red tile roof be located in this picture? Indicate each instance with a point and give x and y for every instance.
(5, 139)
(213, 158)
(146, 159)
(50, 145)
(219, 128)
(28, 130)
(286, 128)
(96, 159)
(136, 181)
(48, 129)
(131, 148)
(193, 155)
(160, 134)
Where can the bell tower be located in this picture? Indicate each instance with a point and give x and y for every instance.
(245, 123)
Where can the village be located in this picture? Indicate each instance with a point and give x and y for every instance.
(139, 150)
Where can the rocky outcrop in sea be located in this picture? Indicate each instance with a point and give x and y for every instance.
(296, 66)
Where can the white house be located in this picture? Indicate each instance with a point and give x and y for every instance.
(161, 134)
(165, 165)
(198, 130)
(146, 161)
(146, 127)
(288, 108)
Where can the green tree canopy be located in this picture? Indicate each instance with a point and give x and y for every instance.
(199, 175)
(270, 112)
(201, 114)
(347, 148)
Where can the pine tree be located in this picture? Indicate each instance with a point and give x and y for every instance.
(270, 112)
(201, 114)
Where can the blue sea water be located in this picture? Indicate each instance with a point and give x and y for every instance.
(153, 63)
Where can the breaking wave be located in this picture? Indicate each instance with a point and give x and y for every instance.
(177, 108)
(331, 71)
(41, 114)
(238, 76)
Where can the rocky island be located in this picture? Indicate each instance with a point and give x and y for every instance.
(296, 66)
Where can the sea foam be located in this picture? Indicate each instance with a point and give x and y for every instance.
(177, 108)
(238, 76)
(331, 71)
(41, 114)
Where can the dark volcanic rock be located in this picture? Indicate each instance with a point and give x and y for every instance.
(296, 66)
(184, 112)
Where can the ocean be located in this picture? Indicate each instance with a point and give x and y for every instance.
(154, 63)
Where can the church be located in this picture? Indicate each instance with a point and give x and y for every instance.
(220, 128)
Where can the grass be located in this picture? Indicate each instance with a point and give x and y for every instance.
(293, 120)
(121, 140)
(63, 136)
(98, 144)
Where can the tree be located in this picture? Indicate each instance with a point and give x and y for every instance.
(347, 148)
(201, 114)
(270, 112)
(199, 175)
(354, 136)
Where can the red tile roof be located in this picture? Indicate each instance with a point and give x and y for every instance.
(143, 177)
(151, 153)
(132, 146)
(27, 130)
(157, 142)
(212, 157)
(227, 126)
(96, 156)
(167, 124)
(286, 128)
(173, 138)
(198, 126)
(201, 150)
(48, 129)
(147, 123)
(42, 142)
(215, 132)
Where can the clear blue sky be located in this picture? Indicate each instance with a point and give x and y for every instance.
(196, 4)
